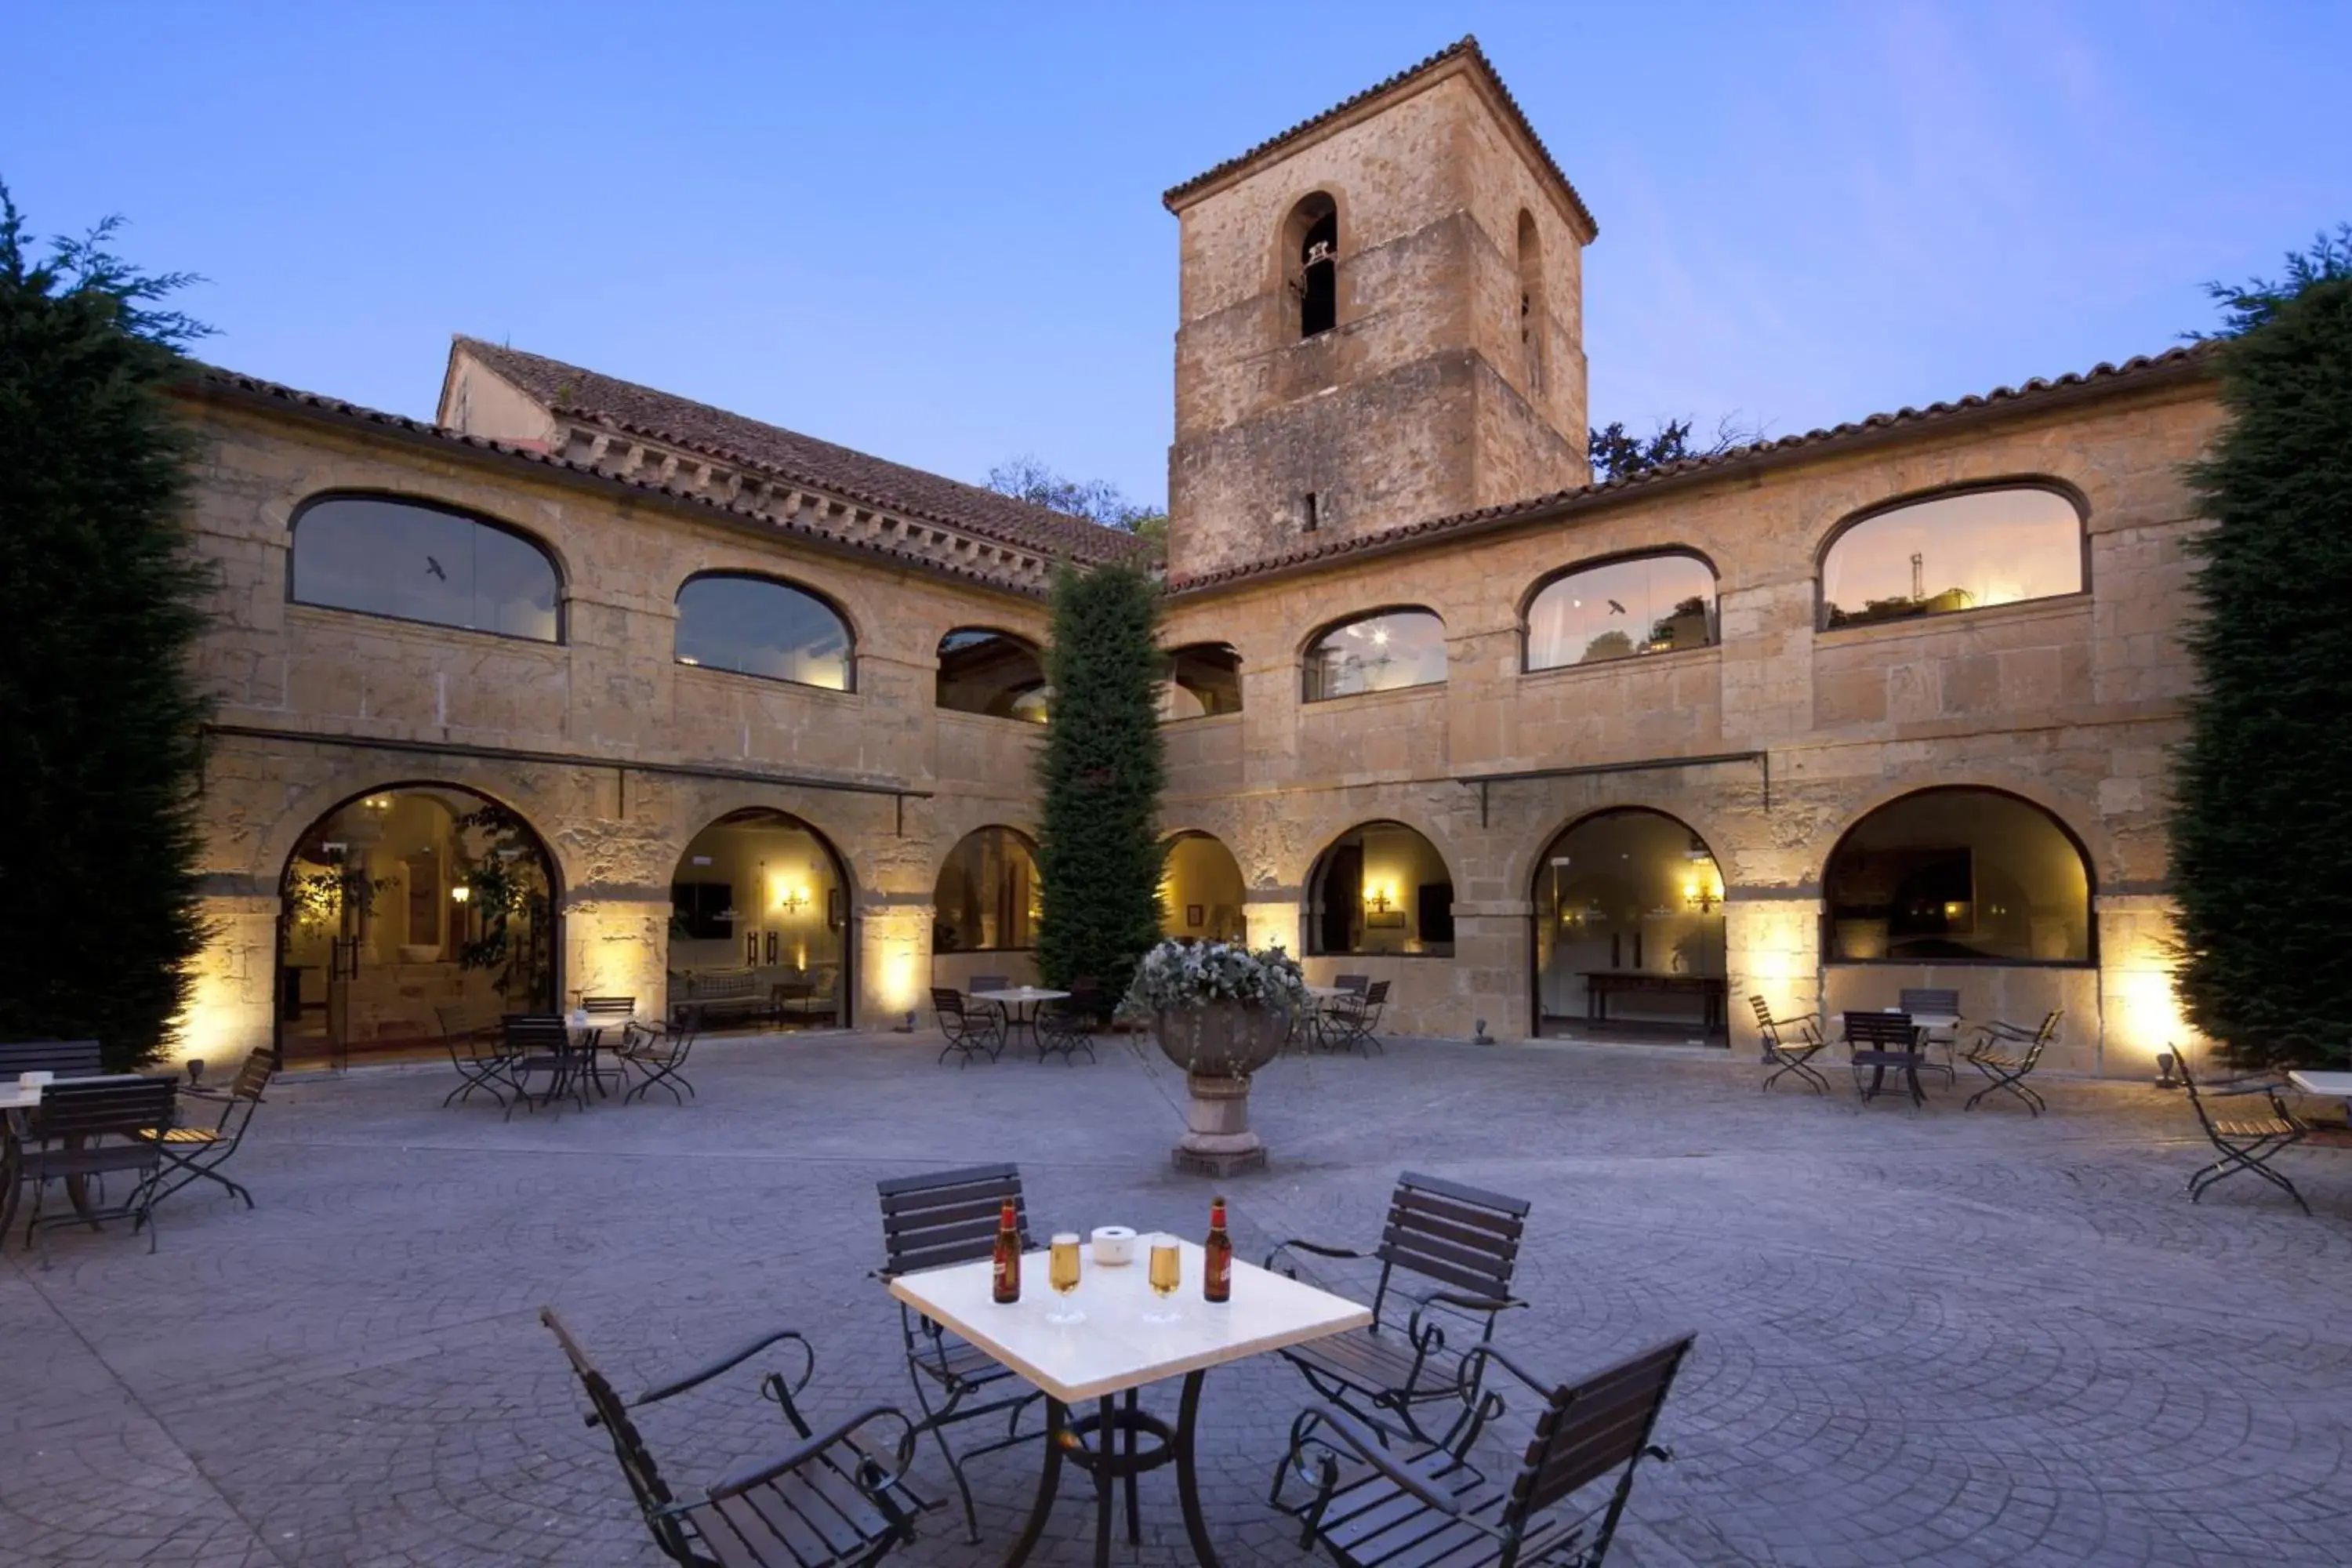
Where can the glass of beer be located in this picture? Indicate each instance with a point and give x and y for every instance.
(1166, 1276)
(1062, 1276)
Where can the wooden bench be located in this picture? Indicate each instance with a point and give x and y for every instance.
(66, 1058)
(729, 994)
(89, 1128)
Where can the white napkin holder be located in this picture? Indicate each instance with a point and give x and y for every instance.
(1114, 1245)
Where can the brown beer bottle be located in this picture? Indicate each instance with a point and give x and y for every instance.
(1007, 1283)
(1217, 1274)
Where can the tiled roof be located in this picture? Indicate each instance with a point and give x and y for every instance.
(2181, 364)
(574, 393)
(1465, 48)
(212, 380)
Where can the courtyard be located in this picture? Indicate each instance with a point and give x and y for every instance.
(1928, 1338)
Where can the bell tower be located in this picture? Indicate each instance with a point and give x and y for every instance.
(1382, 323)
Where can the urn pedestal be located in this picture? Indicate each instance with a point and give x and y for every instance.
(1219, 1045)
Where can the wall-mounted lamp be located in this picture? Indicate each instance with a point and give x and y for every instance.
(1702, 890)
(460, 893)
(1378, 901)
(378, 802)
(793, 899)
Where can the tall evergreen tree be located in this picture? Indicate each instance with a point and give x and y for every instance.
(100, 715)
(2265, 781)
(1098, 854)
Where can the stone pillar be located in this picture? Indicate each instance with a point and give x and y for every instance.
(617, 944)
(1494, 969)
(1274, 920)
(2140, 1016)
(1771, 948)
(894, 961)
(232, 1006)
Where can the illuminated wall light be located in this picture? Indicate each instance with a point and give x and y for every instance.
(460, 894)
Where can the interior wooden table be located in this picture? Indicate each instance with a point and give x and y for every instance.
(1113, 1351)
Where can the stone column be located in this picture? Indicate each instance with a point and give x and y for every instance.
(1771, 941)
(617, 944)
(893, 933)
(232, 1006)
(1494, 970)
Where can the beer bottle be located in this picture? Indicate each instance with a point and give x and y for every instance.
(1217, 1274)
(1008, 1254)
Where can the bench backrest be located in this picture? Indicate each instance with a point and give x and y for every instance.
(646, 1483)
(609, 1006)
(1881, 1032)
(716, 987)
(1930, 1004)
(67, 1058)
(1589, 1429)
(947, 1217)
(1464, 1239)
(123, 1106)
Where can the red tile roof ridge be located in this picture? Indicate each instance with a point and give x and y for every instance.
(2140, 364)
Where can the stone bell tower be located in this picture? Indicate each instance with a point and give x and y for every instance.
(1382, 323)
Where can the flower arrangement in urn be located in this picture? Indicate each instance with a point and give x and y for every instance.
(1221, 1013)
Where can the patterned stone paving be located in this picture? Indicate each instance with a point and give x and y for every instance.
(1938, 1338)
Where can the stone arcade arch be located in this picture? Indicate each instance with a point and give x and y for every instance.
(1628, 927)
(1201, 893)
(763, 891)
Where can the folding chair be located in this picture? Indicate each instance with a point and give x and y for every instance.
(192, 1154)
(659, 1056)
(541, 1043)
(2008, 1070)
(1793, 1051)
(967, 1033)
(1355, 1018)
(937, 1218)
(89, 1128)
(477, 1055)
(610, 1012)
(2249, 1144)
(1926, 1003)
(1066, 1026)
(1881, 1041)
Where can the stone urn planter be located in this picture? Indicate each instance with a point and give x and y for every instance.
(1220, 1045)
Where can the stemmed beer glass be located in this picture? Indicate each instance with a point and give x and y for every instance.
(1062, 1276)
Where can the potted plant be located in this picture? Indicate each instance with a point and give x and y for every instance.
(1220, 1012)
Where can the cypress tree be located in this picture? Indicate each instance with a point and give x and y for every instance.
(1098, 853)
(99, 710)
(2266, 780)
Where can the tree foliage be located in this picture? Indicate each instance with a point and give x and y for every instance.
(1099, 852)
(2264, 783)
(101, 713)
(1616, 453)
(1027, 478)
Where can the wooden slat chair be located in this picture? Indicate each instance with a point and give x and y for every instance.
(541, 1043)
(659, 1056)
(1790, 1044)
(2007, 1069)
(1067, 1026)
(929, 1221)
(1881, 1043)
(969, 1032)
(93, 1128)
(830, 1499)
(1370, 1507)
(1934, 1002)
(608, 1014)
(66, 1058)
(1351, 1022)
(2243, 1143)
(478, 1053)
(1446, 1248)
(196, 1154)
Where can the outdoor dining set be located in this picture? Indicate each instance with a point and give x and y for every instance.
(1903, 1040)
(1421, 1440)
(535, 1060)
(64, 1120)
(980, 1024)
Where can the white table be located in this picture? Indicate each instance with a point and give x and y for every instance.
(1115, 1351)
(1015, 998)
(2328, 1085)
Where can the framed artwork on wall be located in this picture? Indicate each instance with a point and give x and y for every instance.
(772, 947)
(836, 909)
(1193, 916)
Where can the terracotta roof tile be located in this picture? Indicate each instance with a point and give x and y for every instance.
(574, 393)
(1465, 47)
(2185, 361)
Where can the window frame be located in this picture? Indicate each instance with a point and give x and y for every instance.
(1329, 628)
(831, 607)
(1169, 655)
(1618, 558)
(2071, 494)
(447, 509)
(1036, 879)
(1036, 651)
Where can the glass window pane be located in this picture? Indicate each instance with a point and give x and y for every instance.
(992, 673)
(1957, 874)
(753, 626)
(1956, 552)
(387, 557)
(986, 898)
(1659, 604)
(1203, 680)
(1381, 888)
(1379, 653)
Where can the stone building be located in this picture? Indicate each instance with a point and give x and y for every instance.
(586, 688)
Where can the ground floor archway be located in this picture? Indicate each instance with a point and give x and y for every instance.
(759, 927)
(1629, 929)
(408, 913)
(1200, 891)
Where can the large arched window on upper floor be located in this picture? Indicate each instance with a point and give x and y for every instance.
(993, 673)
(755, 626)
(1957, 875)
(986, 898)
(1963, 551)
(1378, 652)
(1204, 679)
(416, 560)
(1650, 604)
(1310, 264)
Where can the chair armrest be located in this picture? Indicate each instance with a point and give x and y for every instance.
(794, 1458)
(1318, 1248)
(1480, 1354)
(695, 1379)
(1317, 1420)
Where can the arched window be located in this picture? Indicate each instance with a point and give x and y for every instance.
(1651, 603)
(990, 672)
(986, 900)
(753, 625)
(1204, 679)
(1629, 926)
(1532, 316)
(1378, 652)
(1957, 875)
(1310, 263)
(416, 560)
(1380, 888)
(1202, 895)
(1960, 552)
(762, 891)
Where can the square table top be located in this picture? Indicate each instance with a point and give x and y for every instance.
(1114, 1349)
(2337, 1084)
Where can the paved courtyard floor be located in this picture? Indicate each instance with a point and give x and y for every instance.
(1923, 1339)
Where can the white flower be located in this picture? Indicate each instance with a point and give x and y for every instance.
(1185, 973)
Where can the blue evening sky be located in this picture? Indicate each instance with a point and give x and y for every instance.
(934, 232)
